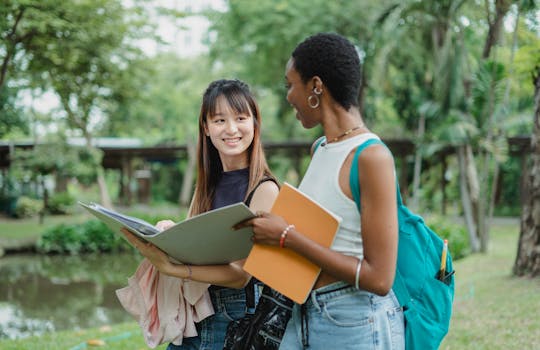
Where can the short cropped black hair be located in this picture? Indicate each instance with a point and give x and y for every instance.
(335, 60)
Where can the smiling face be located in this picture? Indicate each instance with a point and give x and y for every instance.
(231, 132)
(297, 95)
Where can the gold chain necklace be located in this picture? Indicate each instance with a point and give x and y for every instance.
(344, 134)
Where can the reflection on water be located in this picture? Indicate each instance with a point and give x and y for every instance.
(51, 293)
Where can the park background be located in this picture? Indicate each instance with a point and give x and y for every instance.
(452, 86)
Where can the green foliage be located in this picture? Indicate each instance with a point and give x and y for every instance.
(27, 207)
(63, 238)
(88, 237)
(7, 204)
(86, 169)
(508, 199)
(430, 192)
(61, 203)
(99, 238)
(153, 218)
(167, 108)
(456, 234)
(12, 116)
(264, 33)
(44, 159)
(166, 182)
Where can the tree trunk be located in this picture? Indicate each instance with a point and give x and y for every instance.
(473, 184)
(362, 90)
(466, 200)
(102, 185)
(103, 191)
(418, 161)
(528, 254)
(10, 49)
(501, 9)
(189, 174)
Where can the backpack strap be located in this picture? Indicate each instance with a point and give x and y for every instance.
(316, 144)
(399, 286)
(353, 177)
(354, 181)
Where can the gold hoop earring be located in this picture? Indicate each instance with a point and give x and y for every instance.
(310, 99)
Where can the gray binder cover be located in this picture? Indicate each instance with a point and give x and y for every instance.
(205, 239)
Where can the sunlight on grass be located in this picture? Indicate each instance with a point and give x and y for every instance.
(31, 228)
(492, 308)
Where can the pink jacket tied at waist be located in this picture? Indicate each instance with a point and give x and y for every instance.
(165, 307)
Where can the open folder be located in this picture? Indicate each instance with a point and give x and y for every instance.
(282, 269)
(205, 239)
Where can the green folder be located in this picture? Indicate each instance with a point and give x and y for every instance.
(205, 239)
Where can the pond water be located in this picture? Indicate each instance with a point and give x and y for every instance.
(51, 293)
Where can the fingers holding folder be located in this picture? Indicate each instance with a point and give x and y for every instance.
(267, 228)
(156, 256)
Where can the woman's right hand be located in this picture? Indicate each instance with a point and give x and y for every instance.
(267, 228)
(164, 224)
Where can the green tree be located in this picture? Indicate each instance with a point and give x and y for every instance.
(256, 39)
(167, 110)
(453, 93)
(12, 117)
(21, 22)
(84, 54)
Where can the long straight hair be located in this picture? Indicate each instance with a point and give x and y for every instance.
(209, 166)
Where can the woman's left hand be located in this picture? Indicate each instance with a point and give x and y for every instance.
(156, 256)
(267, 228)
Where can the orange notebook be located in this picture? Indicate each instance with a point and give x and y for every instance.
(282, 269)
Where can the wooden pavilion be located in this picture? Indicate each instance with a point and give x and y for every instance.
(123, 157)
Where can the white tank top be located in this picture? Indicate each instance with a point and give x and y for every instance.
(321, 182)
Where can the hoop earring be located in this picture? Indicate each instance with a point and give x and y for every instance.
(310, 99)
(317, 90)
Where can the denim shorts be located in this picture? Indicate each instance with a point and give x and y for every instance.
(338, 316)
(229, 305)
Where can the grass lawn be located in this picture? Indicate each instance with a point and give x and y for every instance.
(12, 230)
(492, 309)
(117, 337)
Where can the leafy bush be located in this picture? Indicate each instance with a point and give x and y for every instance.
(456, 234)
(62, 238)
(90, 236)
(99, 238)
(8, 203)
(61, 203)
(27, 207)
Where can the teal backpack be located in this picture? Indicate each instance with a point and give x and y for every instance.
(426, 300)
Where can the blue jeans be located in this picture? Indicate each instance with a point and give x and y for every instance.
(338, 316)
(229, 305)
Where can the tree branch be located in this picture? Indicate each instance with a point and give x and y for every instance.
(10, 46)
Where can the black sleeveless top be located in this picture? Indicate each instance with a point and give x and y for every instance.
(231, 188)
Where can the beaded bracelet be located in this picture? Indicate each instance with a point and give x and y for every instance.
(284, 235)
